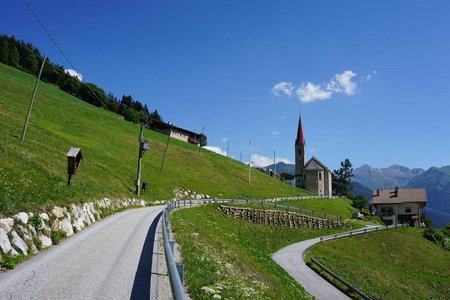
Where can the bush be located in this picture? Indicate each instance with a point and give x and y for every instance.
(10, 261)
(36, 222)
(56, 236)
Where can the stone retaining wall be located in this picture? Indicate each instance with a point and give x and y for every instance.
(27, 233)
(280, 218)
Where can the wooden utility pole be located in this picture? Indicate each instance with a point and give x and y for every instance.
(167, 146)
(24, 132)
(249, 162)
(240, 157)
(228, 147)
(138, 179)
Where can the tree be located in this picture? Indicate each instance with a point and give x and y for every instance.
(203, 140)
(359, 202)
(156, 116)
(342, 178)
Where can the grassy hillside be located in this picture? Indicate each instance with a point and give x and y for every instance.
(390, 264)
(35, 173)
(231, 257)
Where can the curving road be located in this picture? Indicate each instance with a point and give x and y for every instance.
(290, 258)
(112, 259)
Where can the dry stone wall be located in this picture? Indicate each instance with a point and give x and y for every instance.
(280, 218)
(27, 233)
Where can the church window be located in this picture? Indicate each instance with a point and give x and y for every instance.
(320, 175)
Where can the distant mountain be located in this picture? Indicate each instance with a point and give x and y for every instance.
(392, 176)
(282, 168)
(361, 190)
(436, 181)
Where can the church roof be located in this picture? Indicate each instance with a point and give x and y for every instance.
(315, 164)
(300, 138)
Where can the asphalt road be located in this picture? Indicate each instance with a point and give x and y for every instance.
(290, 258)
(112, 259)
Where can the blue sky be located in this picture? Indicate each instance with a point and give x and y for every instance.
(371, 78)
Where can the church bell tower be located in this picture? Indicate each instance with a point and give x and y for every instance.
(300, 150)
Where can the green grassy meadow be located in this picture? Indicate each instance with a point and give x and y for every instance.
(231, 258)
(34, 174)
(389, 264)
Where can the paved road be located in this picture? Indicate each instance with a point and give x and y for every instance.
(290, 258)
(110, 260)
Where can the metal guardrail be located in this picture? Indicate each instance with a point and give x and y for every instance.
(175, 275)
(361, 231)
(336, 277)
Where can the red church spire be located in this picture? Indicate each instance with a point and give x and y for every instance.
(300, 138)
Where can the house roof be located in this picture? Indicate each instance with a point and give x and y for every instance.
(300, 138)
(389, 196)
(163, 125)
(314, 164)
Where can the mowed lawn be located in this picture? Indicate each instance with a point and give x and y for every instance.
(34, 174)
(230, 258)
(339, 207)
(389, 264)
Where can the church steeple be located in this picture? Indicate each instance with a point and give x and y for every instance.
(300, 138)
(300, 151)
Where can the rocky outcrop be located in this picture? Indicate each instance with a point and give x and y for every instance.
(280, 218)
(182, 193)
(30, 232)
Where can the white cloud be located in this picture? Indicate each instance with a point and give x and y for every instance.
(74, 73)
(370, 75)
(217, 150)
(283, 88)
(310, 92)
(275, 132)
(342, 83)
(263, 161)
(224, 139)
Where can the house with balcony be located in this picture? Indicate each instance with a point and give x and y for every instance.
(175, 132)
(399, 206)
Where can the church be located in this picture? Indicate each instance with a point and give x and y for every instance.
(313, 175)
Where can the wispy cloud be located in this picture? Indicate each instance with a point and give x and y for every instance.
(74, 73)
(306, 92)
(370, 75)
(217, 150)
(263, 161)
(310, 92)
(283, 88)
(275, 132)
(224, 139)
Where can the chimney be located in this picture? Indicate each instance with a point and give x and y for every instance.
(396, 192)
(378, 192)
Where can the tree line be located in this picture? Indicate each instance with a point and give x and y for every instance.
(26, 57)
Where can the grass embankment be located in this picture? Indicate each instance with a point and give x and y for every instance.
(389, 264)
(231, 258)
(34, 173)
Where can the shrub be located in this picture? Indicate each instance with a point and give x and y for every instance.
(10, 261)
(36, 222)
(56, 236)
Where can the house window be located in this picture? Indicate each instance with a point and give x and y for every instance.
(320, 175)
(408, 209)
(387, 210)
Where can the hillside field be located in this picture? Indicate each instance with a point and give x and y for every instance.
(389, 264)
(34, 174)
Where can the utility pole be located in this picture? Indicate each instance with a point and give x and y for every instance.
(228, 147)
(274, 166)
(240, 157)
(249, 162)
(138, 179)
(167, 146)
(201, 140)
(24, 132)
